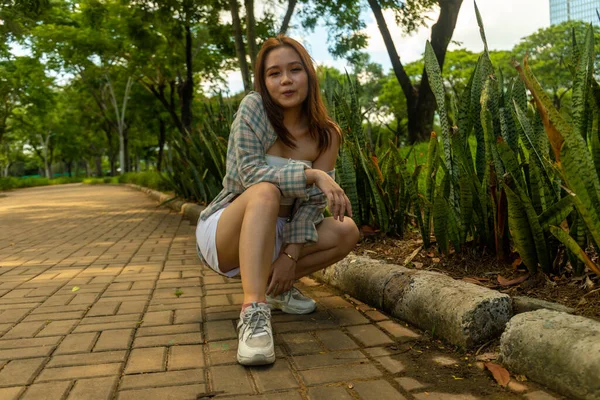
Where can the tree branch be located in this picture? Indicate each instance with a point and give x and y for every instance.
(288, 17)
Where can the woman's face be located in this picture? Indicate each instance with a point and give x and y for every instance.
(286, 77)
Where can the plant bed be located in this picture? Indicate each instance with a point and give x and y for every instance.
(483, 269)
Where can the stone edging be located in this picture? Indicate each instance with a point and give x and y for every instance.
(557, 349)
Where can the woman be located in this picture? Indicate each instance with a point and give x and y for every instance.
(267, 223)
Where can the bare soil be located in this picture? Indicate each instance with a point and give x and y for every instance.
(475, 266)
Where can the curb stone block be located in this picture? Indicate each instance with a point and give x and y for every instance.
(360, 277)
(523, 304)
(559, 350)
(190, 211)
(462, 313)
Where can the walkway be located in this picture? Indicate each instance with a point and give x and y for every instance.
(102, 296)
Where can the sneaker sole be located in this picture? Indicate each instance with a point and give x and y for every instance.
(291, 310)
(257, 359)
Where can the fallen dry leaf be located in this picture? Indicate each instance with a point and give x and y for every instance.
(500, 374)
(368, 230)
(418, 265)
(430, 254)
(435, 260)
(506, 282)
(521, 378)
(517, 262)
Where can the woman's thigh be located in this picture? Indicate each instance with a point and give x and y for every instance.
(230, 222)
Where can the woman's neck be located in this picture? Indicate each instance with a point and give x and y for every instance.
(292, 117)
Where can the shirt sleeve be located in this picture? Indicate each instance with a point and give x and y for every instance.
(303, 226)
(249, 131)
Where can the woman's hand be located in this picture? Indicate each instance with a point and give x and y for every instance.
(339, 203)
(284, 274)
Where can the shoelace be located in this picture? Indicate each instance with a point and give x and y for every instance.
(259, 317)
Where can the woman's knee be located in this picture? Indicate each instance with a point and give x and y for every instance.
(265, 194)
(348, 234)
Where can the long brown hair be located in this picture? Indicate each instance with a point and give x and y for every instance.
(321, 126)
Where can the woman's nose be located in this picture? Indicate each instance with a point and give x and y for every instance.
(285, 79)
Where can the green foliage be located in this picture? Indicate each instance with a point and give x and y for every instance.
(20, 183)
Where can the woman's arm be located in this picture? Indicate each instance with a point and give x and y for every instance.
(249, 131)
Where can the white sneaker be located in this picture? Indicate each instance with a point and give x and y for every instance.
(255, 336)
(292, 302)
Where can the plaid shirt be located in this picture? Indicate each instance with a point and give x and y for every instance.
(251, 136)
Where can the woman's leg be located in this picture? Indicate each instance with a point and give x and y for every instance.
(246, 237)
(336, 240)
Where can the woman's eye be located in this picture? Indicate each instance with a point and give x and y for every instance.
(274, 73)
(297, 69)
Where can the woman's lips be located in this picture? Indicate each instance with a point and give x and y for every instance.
(289, 93)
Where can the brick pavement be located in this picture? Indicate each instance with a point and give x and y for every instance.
(102, 297)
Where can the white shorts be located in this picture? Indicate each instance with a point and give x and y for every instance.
(206, 241)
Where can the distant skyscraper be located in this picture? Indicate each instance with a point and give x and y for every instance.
(569, 10)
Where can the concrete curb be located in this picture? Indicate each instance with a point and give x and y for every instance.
(459, 312)
(551, 347)
(190, 211)
(559, 350)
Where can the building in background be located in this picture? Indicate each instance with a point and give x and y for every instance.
(569, 10)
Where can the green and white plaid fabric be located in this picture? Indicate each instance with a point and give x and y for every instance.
(251, 136)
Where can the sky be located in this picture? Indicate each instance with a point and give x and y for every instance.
(505, 21)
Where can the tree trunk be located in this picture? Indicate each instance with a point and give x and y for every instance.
(98, 160)
(251, 33)
(239, 44)
(161, 143)
(187, 86)
(420, 100)
(69, 166)
(421, 123)
(288, 17)
(126, 152)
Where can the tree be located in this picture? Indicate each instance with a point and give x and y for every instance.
(549, 51)
(347, 39)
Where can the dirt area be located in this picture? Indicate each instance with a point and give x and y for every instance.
(473, 265)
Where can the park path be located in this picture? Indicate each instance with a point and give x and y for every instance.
(102, 296)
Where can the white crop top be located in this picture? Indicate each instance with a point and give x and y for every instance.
(276, 161)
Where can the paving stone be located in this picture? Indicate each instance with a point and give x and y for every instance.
(83, 371)
(34, 342)
(369, 335)
(349, 316)
(169, 340)
(24, 330)
(329, 393)
(410, 384)
(220, 330)
(77, 343)
(114, 340)
(11, 393)
(28, 352)
(232, 379)
(155, 318)
(20, 372)
(376, 390)
(336, 340)
(168, 329)
(401, 333)
(151, 359)
(274, 377)
(94, 388)
(301, 343)
(321, 376)
(444, 396)
(105, 357)
(47, 391)
(328, 359)
(58, 328)
(157, 379)
(376, 315)
(334, 302)
(184, 357)
(187, 392)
